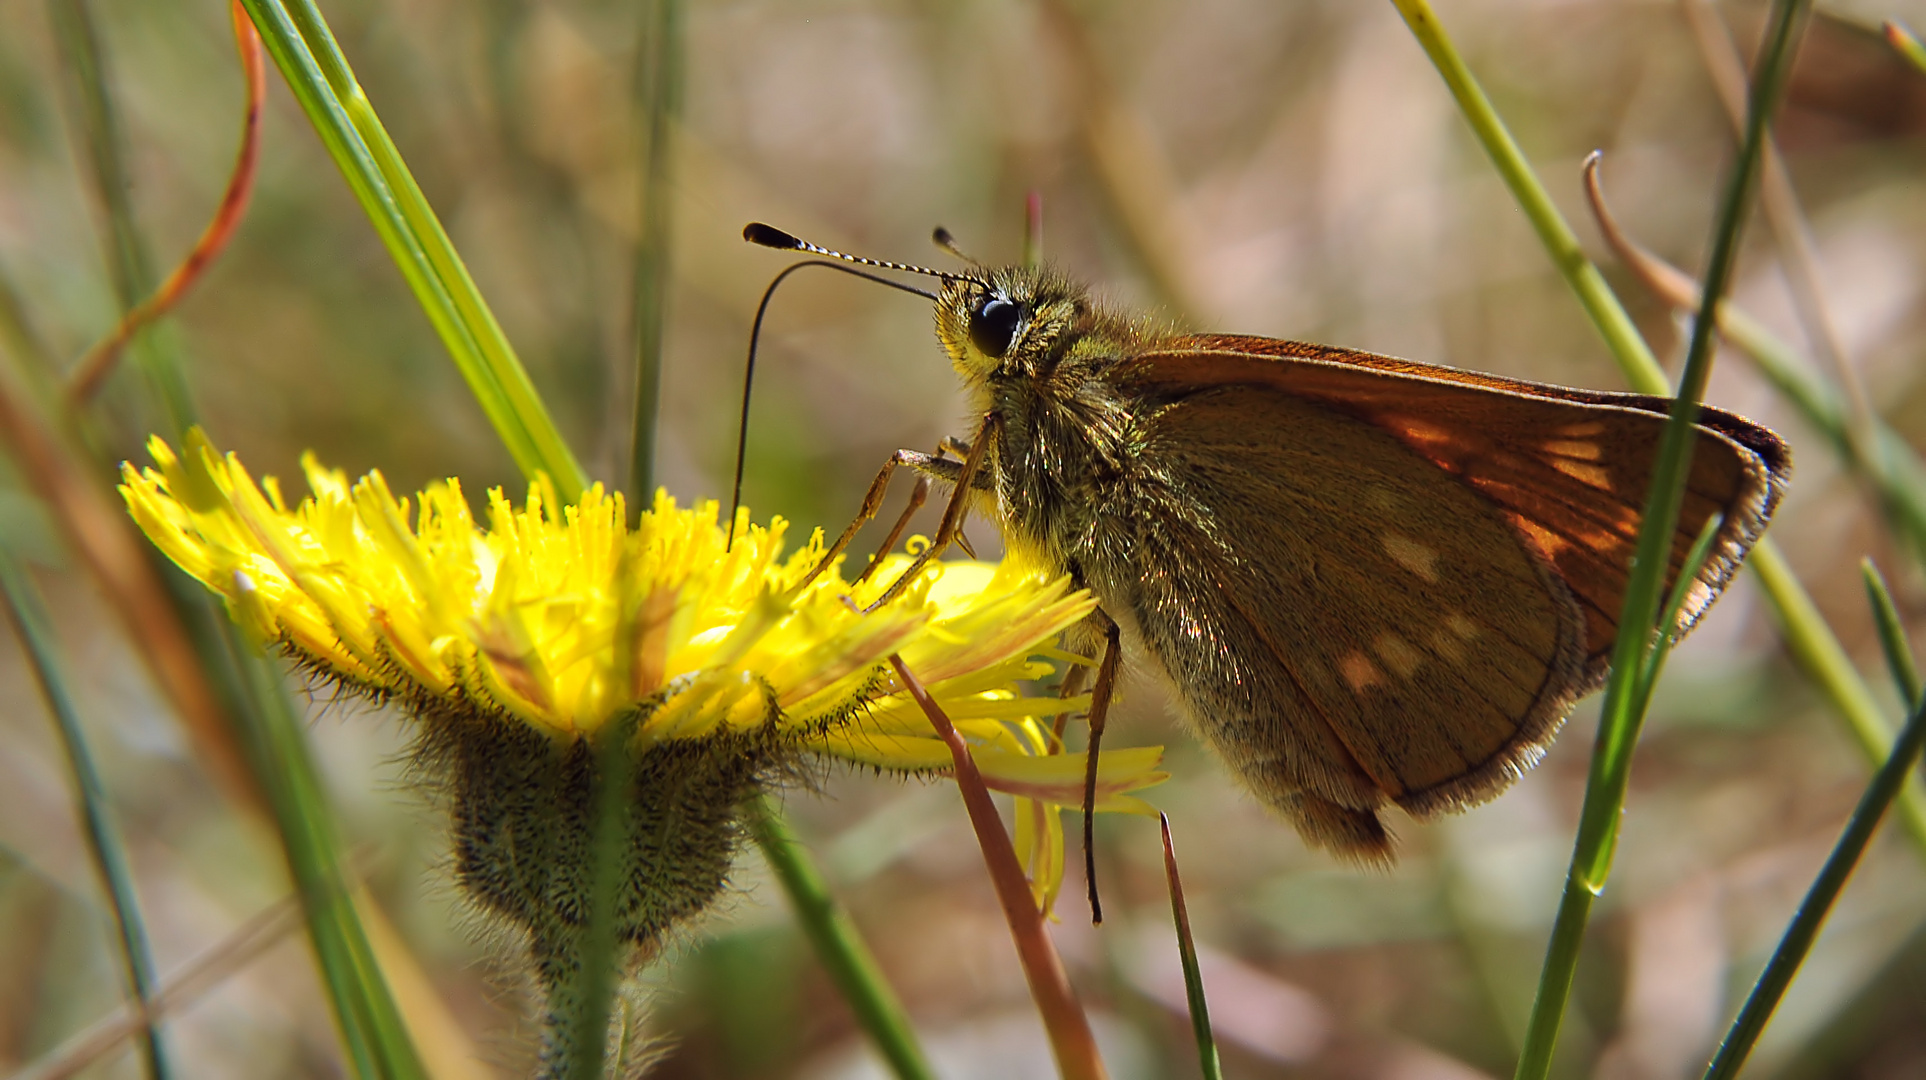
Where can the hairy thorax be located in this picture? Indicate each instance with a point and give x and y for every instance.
(1066, 455)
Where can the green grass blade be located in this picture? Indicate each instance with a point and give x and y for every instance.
(1806, 923)
(1883, 458)
(1654, 666)
(1906, 44)
(1892, 633)
(130, 267)
(848, 960)
(1561, 243)
(1817, 648)
(1874, 452)
(1826, 663)
(372, 1029)
(1619, 723)
(104, 842)
(1207, 1059)
(304, 50)
(376, 1041)
(658, 91)
(1810, 640)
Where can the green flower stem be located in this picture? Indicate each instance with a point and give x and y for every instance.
(1826, 662)
(851, 966)
(104, 841)
(593, 966)
(658, 92)
(1811, 916)
(1619, 723)
(305, 51)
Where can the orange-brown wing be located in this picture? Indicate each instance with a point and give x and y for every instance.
(1569, 468)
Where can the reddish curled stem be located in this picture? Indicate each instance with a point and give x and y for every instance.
(1070, 1038)
(98, 363)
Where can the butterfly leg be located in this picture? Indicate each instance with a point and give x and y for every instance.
(872, 501)
(1070, 687)
(953, 511)
(953, 445)
(1100, 695)
(919, 495)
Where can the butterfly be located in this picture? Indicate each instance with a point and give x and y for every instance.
(1369, 582)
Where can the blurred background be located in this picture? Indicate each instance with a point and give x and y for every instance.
(1294, 170)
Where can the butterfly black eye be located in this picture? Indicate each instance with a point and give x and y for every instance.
(993, 326)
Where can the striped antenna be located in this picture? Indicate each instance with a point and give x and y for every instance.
(771, 237)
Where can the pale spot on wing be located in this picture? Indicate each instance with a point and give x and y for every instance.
(1447, 645)
(1399, 655)
(1420, 559)
(1546, 541)
(1575, 448)
(1462, 626)
(1595, 475)
(1584, 429)
(1359, 672)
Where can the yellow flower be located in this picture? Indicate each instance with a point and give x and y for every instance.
(516, 644)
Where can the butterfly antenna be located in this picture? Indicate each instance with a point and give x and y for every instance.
(767, 236)
(942, 238)
(771, 237)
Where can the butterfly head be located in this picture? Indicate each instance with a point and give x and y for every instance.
(1008, 321)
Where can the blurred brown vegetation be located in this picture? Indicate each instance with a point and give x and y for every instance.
(1294, 170)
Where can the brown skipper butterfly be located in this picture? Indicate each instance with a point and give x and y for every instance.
(1369, 581)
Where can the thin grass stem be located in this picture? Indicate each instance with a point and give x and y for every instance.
(374, 1037)
(1621, 335)
(373, 1033)
(658, 90)
(311, 63)
(1791, 232)
(104, 841)
(1620, 720)
(93, 368)
(130, 268)
(1892, 633)
(1808, 637)
(1207, 1060)
(198, 976)
(833, 935)
(1846, 853)
(1882, 459)
(1595, 843)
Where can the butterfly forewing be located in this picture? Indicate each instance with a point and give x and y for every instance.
(1569, 467)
